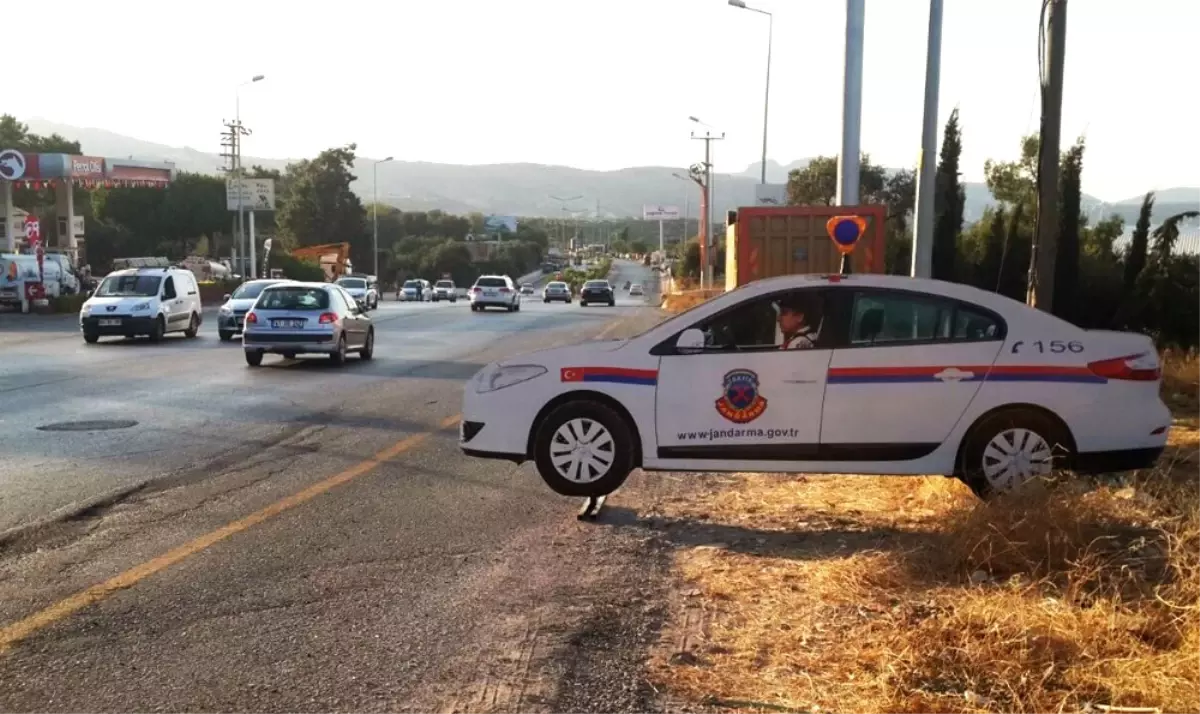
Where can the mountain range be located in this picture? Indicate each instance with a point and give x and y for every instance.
(528, 189)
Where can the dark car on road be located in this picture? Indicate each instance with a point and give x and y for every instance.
(597, 291)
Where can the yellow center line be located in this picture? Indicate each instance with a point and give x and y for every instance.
(21, 629)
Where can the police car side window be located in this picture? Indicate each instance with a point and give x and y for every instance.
(755, 324)
(893, 317)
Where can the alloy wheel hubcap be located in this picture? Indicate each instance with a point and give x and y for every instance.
(582, 450)
(1015, 456)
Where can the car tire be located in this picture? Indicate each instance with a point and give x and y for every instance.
(568, 419)
(1047, 445)
(91, 338)
(368, 350)
(582, 304)
(193, 327)
(547, 301)
(225, 336)
(338, 356)
(254, 358)
(517, 307)
(612, 303)
(159, 329)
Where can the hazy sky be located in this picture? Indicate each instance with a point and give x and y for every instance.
(606, 84)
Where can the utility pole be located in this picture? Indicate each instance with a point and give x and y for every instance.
(1045, 243)
(922, 250)
(562, 221)
(706, 277)
(231, 151)
(848, 179)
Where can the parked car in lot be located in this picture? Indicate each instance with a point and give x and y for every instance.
(857, 374)
(142, 301)
(495, 291)
(362, 290)
(416, 291)
(296, 318)
(597, 291)
(232, 314)
(556, 290)
(445, 290)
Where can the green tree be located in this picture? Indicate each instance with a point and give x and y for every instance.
(1015, 182)
(16, 135)
(1099, 241)
(816, 184)
(1014, 263)
(639, 246)
(949, 199)
(318, 207)
(1066, 262)
(988, 275)
(1139, 243)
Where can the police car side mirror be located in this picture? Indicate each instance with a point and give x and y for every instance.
(690, 340)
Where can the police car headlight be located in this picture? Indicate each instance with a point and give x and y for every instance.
(141, 306)
(502, 377)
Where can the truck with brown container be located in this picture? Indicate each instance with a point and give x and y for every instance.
(766, 241)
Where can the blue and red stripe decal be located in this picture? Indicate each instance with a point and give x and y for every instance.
(970, 373)
(612, 375)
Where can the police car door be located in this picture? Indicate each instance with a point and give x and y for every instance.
(741, 398)
(905, 373)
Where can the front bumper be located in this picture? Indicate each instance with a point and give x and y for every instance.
(231, 322)
(290, 343)
(496, 426)
(446, 295)
(129, 326)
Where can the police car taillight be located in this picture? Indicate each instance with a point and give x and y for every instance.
(1142, 367)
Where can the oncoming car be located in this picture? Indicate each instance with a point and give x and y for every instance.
(416, 290)
(867, 374)
(296, 318)
(362, 290)
(232, 313)
(556, 290)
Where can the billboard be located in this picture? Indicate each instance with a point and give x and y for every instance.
(500, 224)
(770, 194)
(659, 213)
(256, 194)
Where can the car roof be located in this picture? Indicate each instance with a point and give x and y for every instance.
(158, 272)
(300, 284)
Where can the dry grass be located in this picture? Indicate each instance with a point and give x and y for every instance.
(888, 594)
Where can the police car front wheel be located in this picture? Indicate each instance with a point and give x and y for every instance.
(583, 448)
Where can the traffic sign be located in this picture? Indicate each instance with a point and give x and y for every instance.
(845, 231)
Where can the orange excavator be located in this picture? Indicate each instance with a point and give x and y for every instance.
(334, 258)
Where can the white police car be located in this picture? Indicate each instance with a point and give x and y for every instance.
(860, 374)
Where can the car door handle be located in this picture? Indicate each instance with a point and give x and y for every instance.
(953, 374)
(798, 378)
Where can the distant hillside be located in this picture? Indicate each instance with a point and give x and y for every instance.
(506, 189)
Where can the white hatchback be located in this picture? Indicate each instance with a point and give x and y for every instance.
(859, 374)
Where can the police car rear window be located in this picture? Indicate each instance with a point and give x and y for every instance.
(293, 299)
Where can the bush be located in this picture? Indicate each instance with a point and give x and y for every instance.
(297, 269)
(68, 303)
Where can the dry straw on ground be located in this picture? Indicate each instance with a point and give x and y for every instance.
(892, 594)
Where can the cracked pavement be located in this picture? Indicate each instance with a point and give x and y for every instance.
(430, 581)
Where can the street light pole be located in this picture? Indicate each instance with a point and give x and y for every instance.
(375, 212)
(248, 251)
(767, 92)
(706, 276)
(848, 160)
(922, 250)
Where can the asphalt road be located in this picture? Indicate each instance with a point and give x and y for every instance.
(301, 537)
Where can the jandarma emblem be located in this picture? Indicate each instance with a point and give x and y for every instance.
(740, 402)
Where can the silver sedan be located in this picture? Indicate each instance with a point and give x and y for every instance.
(291, 319)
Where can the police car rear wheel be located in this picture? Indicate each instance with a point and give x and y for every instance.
(584, 449)
(1010, 448)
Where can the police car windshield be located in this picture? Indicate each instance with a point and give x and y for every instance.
(293, 299)
(247, 291)
(352, 283)
(129, 286)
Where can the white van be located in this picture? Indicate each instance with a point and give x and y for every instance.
(18, 269)
(142, 301)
